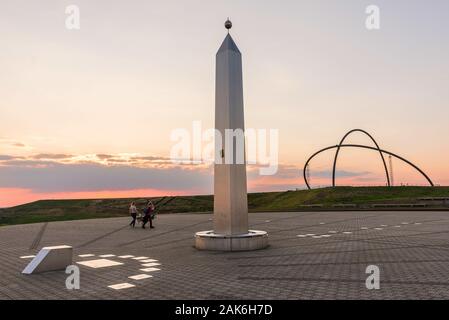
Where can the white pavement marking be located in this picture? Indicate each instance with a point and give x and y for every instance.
(153, 264)
(107, 255)
(310, 234)
(27, 257)
(347, 232)
(378, 228)
(384, 225)
(397, 226)
(404, 222)
(322, 223)
(149, 269)
(140, 258)
(141, 276)
(301, 235)
(148, 260)
(267, 220)
(418, 223)
(364, 228)
(86, 255)
(333, 231)
(325, 236)
(120, 286)
(126, 257)
(99, 263)
(316, 237)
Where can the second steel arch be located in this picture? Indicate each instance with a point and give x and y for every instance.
(372, 139)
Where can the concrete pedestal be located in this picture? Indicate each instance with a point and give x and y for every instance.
(209, 240)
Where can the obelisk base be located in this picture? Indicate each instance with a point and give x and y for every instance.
(253, 240)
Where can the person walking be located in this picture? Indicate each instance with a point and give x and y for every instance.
(149, 215)
(133, 213)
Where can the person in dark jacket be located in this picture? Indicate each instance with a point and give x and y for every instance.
(149, 215)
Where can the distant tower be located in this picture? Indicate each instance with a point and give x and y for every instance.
(230, 191)
(390, 159)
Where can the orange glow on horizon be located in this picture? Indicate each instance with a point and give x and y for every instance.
(17, 196)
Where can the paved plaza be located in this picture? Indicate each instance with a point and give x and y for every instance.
(312, 255)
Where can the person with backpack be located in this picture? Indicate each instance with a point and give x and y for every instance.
(133, 213)
(149, 214)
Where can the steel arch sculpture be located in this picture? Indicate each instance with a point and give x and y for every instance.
(377, 148)
(372, 139)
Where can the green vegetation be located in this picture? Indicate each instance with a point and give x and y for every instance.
(360, 198)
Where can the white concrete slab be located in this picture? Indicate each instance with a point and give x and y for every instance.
(149, 269)
(120, 286)
(50, 259)
(100, 263)
(141, 276)
(153, 264)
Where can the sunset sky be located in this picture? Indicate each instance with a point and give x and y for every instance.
(88, 113)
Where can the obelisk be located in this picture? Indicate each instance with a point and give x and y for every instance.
(230, 191)
(230, 194)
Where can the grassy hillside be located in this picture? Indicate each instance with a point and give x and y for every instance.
(327, 199)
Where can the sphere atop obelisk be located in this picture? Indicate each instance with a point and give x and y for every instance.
(228, 24)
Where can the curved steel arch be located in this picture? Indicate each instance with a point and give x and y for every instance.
(378, 149)
(365, 147)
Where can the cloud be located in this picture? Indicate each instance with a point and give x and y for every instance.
(59, 173)
(7, 157)
(6, 143)
(44, 176)
(17, 162)
(18, 144)
(104, 156)
(338, 173)
(53, 156)
(151, 158)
